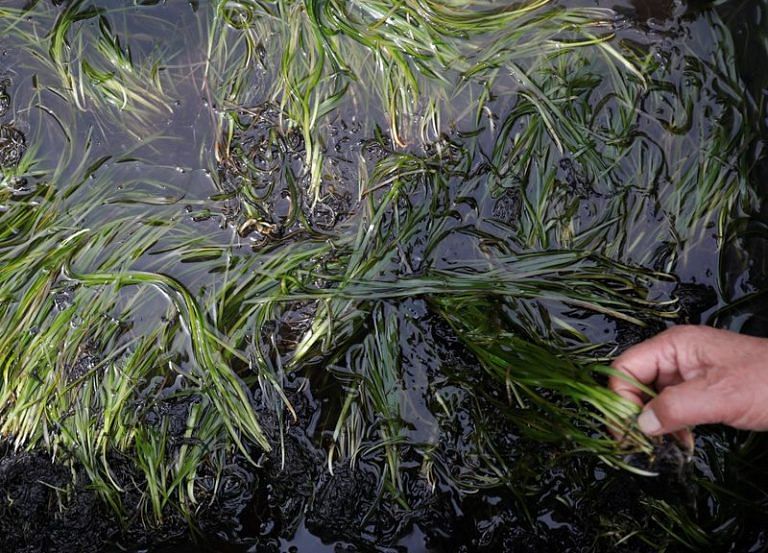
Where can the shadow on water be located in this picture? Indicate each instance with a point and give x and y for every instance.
(206, 189)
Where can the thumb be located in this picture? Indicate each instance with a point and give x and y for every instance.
(686, 404)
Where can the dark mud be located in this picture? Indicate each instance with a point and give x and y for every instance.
(5, 98)
(12, 146)
(42, 510)
(265, 184)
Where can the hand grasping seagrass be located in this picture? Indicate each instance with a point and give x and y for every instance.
(703, 375)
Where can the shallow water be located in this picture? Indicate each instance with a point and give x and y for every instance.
(163, 168)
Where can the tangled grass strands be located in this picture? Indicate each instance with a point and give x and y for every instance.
(107, 73)
(329, 50)
(478, 285)
(230, 397)
(526, 368)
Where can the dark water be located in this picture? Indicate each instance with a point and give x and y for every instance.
(165, 160)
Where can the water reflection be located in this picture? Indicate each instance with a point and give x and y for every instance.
(745, 256)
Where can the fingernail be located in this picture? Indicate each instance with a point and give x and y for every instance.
(648, 422)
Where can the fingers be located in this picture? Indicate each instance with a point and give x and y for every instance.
(703, 375)
(650, 361)
(697, 401)
(676, 355)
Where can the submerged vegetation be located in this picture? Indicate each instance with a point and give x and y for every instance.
(439, 219)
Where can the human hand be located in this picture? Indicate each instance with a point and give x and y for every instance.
(703, 375)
